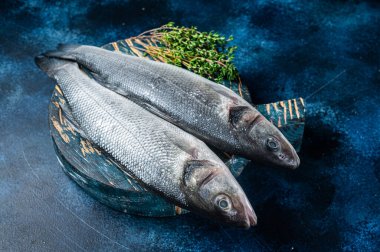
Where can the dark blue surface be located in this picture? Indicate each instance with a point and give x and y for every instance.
(286, 49)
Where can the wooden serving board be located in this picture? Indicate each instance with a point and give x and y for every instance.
(96, 172)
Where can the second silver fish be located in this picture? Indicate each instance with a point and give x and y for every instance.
(207, 110)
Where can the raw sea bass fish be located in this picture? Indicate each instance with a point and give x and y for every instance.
(163, 157)
(203, 108)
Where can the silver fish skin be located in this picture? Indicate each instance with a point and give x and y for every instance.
(163, 157)
(210, 111)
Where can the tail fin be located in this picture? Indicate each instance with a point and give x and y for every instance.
(64, 51)
(67, 47)
(50, 65)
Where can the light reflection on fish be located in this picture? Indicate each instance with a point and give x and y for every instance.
(166, 159)
(203, 108)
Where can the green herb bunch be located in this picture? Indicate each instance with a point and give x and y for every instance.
(204, 53)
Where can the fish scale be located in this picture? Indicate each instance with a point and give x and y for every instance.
(94, 111)
(192, 103)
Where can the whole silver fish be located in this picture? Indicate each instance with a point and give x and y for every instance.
(210, 111)
(163, 157)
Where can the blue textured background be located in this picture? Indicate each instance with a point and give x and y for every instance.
(286, 49)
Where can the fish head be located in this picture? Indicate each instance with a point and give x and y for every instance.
(217, 195)
(262, 141)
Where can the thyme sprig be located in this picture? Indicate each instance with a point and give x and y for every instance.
(204, 53)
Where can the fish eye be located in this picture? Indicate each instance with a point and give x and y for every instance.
(272, 144)
(223, 202)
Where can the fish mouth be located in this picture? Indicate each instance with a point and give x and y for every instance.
(250, 221)
(287, 156)
(250, 215)
(294, 161)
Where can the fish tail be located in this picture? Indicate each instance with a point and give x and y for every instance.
(67, 47)
(50, 65)
(64, 51)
